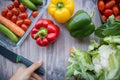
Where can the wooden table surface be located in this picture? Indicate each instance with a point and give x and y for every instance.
(55, 56)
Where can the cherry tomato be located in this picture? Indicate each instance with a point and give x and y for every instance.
(4, 12)
(110, 4)
(10, 6)
(71, 50)
(14, 19)
(27, 22)
(115, 10)
(105, 1)
(23, 15)
(117, 1)
(117, 17)
(19, 22)
(15, 11)
(24, 27)
(16, 3)
(104, 18)
(101, 5)
(9, 15)
(108, 12)
(22, 8)
(119, 5)
(34, 14)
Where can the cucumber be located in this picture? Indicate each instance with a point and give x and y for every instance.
(37, 2)
(8, 33)
(29, 4)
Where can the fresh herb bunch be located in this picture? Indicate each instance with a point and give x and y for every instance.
(110, 28)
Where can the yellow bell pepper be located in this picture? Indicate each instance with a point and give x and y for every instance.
(61, 10)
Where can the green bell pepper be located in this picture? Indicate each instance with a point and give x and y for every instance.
(80, 25)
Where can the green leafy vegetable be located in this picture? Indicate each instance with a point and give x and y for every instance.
(111, 28)
(80, 65)
(100, 62)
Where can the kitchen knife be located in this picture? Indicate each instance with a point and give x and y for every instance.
(19, 59)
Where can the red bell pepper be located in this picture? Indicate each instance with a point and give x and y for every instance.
(45, 32)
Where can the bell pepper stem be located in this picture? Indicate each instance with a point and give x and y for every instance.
(60, 5)
(92, 14)
(41, 33)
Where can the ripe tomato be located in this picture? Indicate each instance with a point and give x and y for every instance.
(117, 1)
(4, 12)
(110, 4)
(117, 17)
(104, 18)
(23, 15)
(16, 3)
(10, 6)
(9, 15)
(19, 22)
(108, 12)
(27, 22)
(14, 19)
(22, 8)
(101, 5)
(24, 27)
(115, 10)
(34, 14)
(15, 11)
(119, 5)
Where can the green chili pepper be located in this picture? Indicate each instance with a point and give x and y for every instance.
(29, 4)
(8, 33)
(80, 25)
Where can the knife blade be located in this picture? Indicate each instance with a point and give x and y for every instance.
(19, 59)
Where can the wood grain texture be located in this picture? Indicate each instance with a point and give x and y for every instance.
(55, 55)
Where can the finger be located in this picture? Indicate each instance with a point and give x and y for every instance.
(32, 78)
(36, 76)
(34, 66)
(21, 68)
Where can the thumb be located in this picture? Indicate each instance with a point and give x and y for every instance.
(34, 66)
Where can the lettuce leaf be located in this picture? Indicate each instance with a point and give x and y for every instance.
(80, 65)
(100, 62)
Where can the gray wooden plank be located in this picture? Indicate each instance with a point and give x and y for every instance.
(55, 55)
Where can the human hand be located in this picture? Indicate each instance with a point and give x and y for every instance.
(24, 73)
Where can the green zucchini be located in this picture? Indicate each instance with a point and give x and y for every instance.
(8, 33)
(37, 2)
